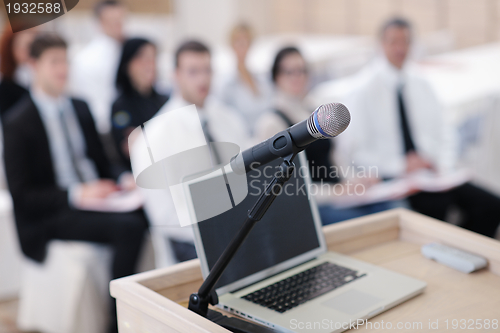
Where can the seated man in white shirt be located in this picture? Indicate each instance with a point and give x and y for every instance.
(55, 163)
(93, 71)
(193, 76)
(398, 126)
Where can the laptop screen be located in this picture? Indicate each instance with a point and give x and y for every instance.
(286, 231)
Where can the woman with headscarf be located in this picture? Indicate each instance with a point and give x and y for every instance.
(138, 100)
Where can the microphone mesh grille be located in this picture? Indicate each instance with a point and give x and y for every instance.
(333, 118)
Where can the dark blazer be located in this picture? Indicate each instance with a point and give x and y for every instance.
(130, 110)
(10, 94)
(31, 175)
(318, 154)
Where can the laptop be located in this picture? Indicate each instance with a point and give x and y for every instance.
(283, 276)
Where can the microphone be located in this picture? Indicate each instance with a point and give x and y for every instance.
(327, 121)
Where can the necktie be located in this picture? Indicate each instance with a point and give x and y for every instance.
(71, 149)
(214, 154)
(405, 128)
(215, 158)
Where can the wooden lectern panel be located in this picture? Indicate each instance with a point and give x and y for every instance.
(149, 302)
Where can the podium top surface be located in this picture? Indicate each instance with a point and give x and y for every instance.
(453, 300)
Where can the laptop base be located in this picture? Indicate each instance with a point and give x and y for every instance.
(237, 325)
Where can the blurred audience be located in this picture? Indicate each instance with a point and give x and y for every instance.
(399, 126)
(291, 105)
(55, 162)
(138, 101)
(15, 72)
(193, 76)
(247, 93)
(93, 71)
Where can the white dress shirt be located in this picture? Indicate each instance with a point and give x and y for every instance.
(236, 93)
(374, 137)
(223, 122)
(24, 75)
(270, 123)
(61, 150)
(224, 125)
(93, 76)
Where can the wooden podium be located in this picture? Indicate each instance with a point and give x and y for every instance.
(156, 301)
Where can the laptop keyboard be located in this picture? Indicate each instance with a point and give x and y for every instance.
(302, 287)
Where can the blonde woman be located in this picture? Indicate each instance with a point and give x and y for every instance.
(244, 91)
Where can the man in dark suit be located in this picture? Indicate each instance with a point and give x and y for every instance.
(55, 162)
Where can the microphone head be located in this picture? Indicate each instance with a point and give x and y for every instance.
(328, 120)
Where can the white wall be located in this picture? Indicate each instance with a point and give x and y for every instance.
(209, 21)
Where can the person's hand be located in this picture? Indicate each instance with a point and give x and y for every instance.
(98, 189)
(367, 182)
(127, 182)
(415, 162)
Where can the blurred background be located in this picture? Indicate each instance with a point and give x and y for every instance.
(334, 30)
(457, 47)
